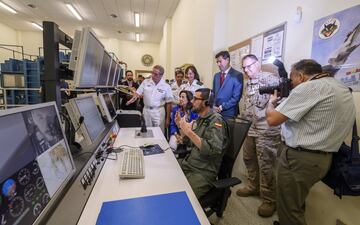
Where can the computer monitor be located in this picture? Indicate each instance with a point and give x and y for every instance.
(92, 125)
(107, 106)
(112, 73)
(117, 75)
(35, 163)
(89, 60)
(105, 68)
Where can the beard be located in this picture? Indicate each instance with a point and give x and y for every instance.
(196, 110)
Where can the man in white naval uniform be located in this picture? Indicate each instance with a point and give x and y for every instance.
(157, 94)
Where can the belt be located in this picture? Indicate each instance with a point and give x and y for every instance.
(153, 107)
(300, 149)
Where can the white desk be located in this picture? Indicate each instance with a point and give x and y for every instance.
(162, 175)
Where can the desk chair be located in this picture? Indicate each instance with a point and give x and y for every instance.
(216, 199)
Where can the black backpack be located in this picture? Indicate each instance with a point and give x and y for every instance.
(344, 173)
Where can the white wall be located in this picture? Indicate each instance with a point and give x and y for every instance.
(192, 37)
(165, 50)
(246, 20)
(131, 52)
(31, 42)
(8, 36)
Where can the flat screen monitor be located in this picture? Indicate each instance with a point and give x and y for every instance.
(108, 107)
(112, 73)
(92, 125)
(35, 163)
(117, 75)
(89, 60)
(105, 68)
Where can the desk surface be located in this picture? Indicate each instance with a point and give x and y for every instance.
(162, 175)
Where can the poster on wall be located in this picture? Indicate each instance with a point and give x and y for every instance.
(273, 44)
(256, 46)
(234, 59)
(335, 45)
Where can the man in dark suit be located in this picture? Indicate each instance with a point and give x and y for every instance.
(125, 97)
(227, 86)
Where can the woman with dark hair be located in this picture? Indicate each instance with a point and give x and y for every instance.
(184, 109)
(193, 80)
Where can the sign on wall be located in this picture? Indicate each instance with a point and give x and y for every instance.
(335, 45)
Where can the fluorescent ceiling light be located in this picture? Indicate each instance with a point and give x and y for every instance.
(137, 20)
(73, 11)
(137, 37)
(37, 26)
(8, 8)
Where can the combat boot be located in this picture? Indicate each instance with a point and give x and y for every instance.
(246, 192)
(266, 209)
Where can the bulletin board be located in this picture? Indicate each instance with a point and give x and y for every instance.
(266, 46)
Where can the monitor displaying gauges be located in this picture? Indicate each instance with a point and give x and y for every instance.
(35, 163)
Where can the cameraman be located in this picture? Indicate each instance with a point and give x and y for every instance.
(262, 141)
(316, 117)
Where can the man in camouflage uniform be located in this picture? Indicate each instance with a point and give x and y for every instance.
(207, 137)
(262, 141)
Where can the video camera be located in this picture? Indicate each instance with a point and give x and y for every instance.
(284, 86)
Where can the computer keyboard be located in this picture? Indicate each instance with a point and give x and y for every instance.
(132, 164)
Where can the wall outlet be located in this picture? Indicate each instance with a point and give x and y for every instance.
(339, 222)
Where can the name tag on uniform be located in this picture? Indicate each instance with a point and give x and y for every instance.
(160, 90)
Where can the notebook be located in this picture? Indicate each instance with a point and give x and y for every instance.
(164, 209)
(151, 150)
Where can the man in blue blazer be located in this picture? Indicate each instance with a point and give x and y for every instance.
(227, 86)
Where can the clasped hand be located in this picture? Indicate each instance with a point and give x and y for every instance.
(185, 126)
(274, 99)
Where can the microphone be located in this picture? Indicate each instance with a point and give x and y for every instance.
(81, 120)
(143, 125)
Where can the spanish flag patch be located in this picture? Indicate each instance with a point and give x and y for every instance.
(218, 125)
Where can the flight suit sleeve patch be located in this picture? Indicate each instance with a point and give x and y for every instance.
(218, 125)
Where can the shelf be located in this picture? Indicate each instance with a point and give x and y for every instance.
(9, 72)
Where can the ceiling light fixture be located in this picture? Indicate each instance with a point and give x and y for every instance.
(137, 19)
(73, 11)
(137, 37)
(37, 25)
(8, 8)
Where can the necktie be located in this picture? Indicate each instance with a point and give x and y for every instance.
(222, 78)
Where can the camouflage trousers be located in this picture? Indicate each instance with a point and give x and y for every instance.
(259, 158)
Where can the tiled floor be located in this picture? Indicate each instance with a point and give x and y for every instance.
(242, 211)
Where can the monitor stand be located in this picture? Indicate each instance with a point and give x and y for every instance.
(147, 134)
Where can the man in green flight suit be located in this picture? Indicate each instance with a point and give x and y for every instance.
(208, 138)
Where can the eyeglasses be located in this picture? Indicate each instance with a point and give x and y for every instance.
(196, 98)
(248, 66)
